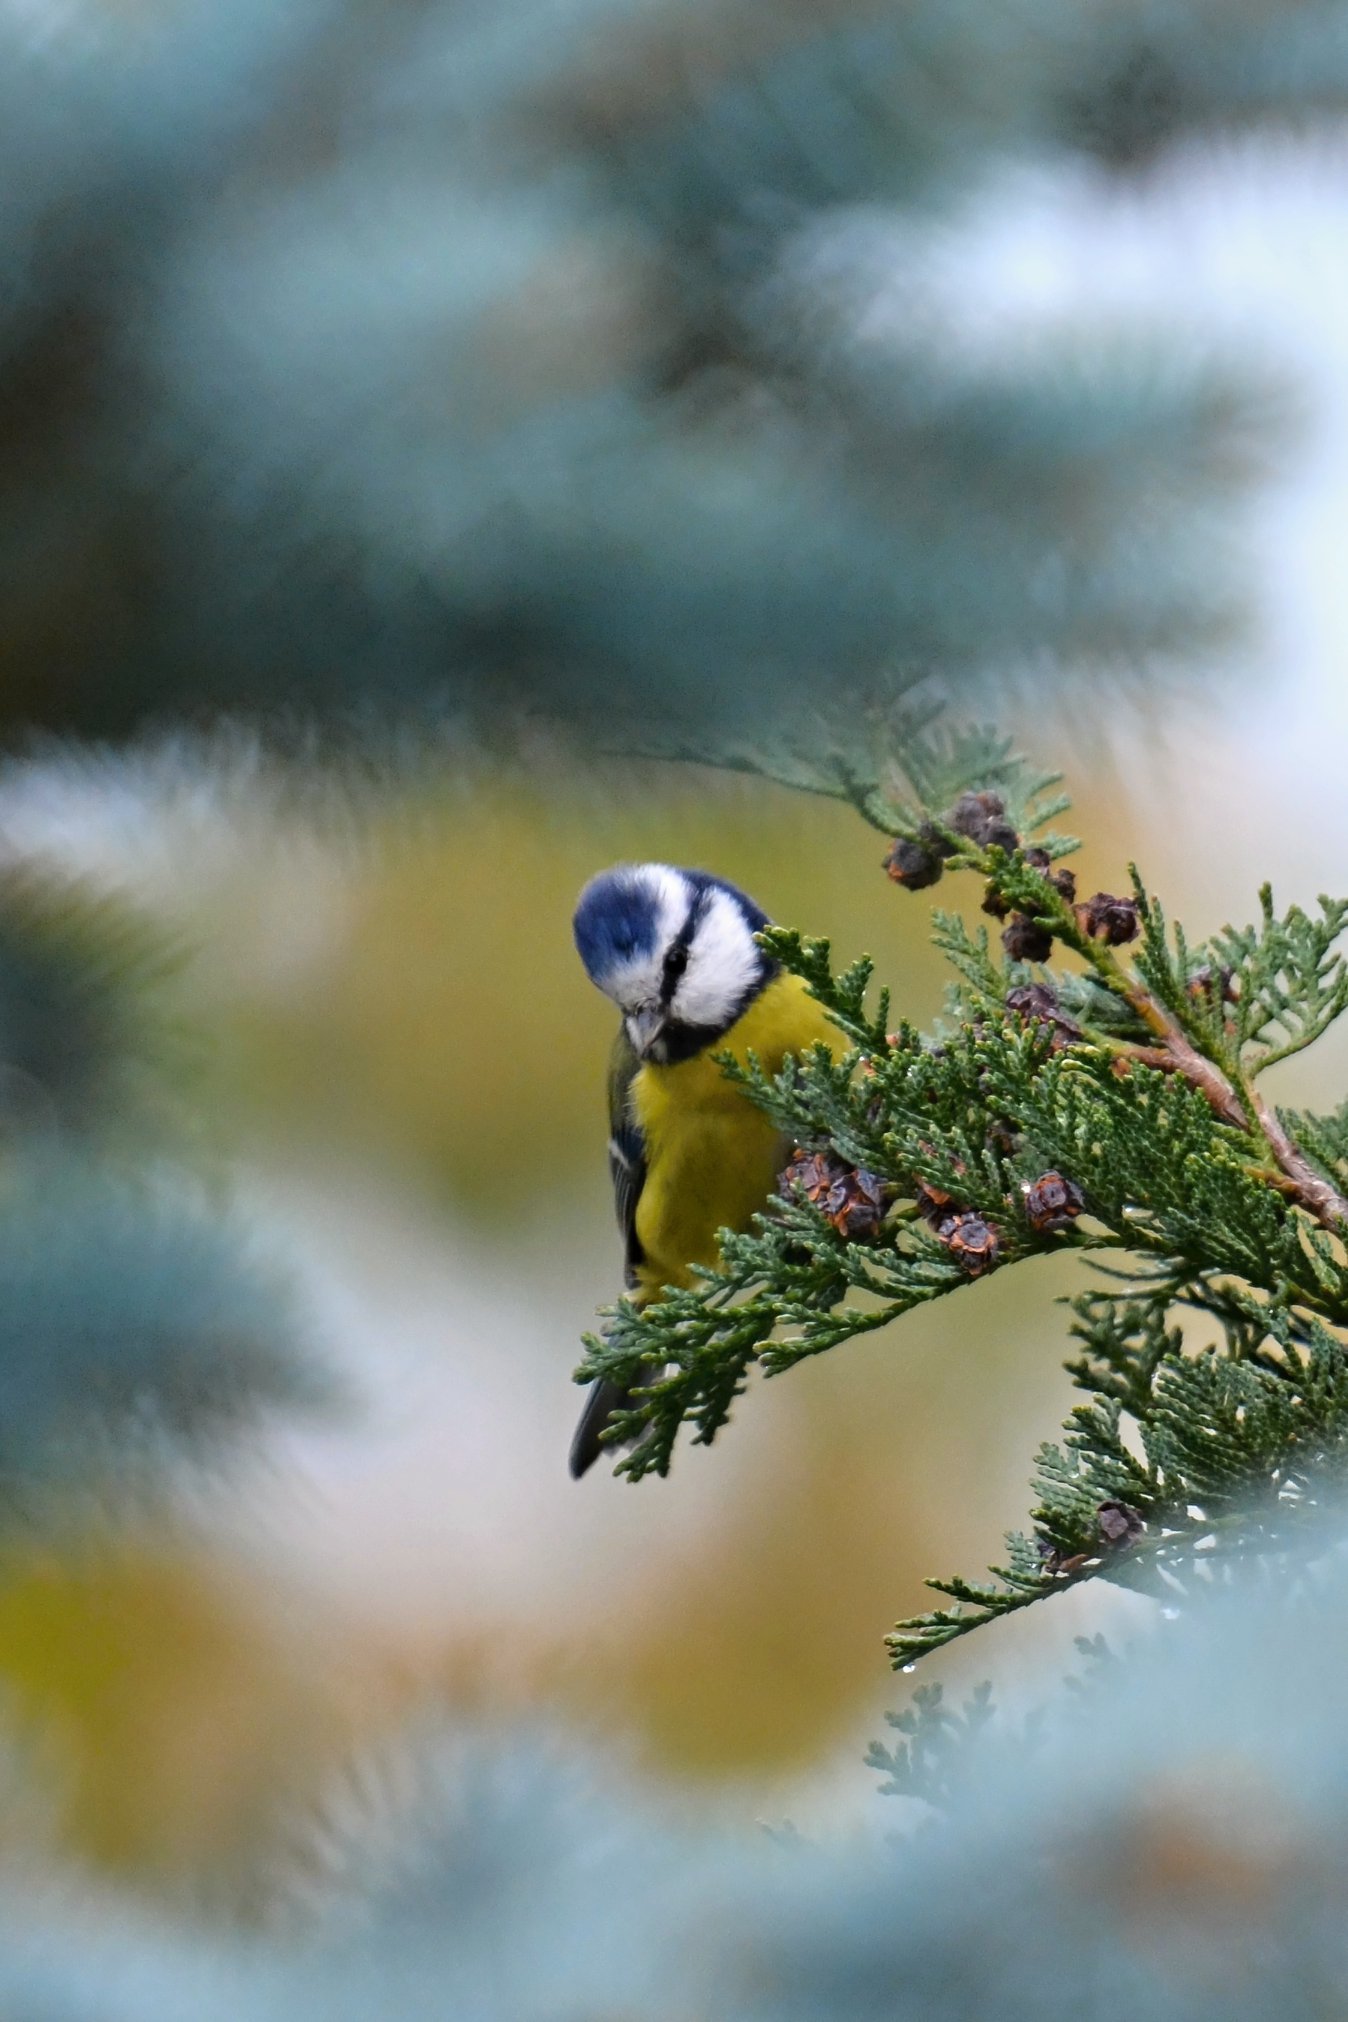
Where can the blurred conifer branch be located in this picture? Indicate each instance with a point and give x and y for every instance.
(91, 1041)
(138, 1324)
(1113, 1108)
(415, 372)
(1165, 1842)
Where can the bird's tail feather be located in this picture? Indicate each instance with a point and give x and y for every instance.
(604, 1399)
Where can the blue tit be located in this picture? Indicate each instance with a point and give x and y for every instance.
(689, 1153)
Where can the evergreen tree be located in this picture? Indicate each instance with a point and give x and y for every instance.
(389, 379)
(410, 369)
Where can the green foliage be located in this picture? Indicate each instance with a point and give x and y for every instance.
(1324, 1139)
(1110, 1108)
(933, 1757)
(944, 1755)
(138, 1326)
(892, 762)
(90, 1040)
(530, 392)
(1252, 995)
(139, 1323)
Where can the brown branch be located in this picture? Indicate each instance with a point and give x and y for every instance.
(1296, 1177)
(1316, 1195)
(1177, 1056)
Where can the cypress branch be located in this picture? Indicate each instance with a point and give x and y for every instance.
(1111, 1107)
(933, 1757)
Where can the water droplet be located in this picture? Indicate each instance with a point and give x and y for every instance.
(1170, 1614)
(906, 1668)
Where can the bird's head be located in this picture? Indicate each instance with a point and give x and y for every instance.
(675, 950)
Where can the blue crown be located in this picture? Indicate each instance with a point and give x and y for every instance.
(615, 922)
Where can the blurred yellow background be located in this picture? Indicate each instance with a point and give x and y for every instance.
(406, 1069)
(408, 1063)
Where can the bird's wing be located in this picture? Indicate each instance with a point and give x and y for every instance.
(626, 1152)
(627, 1169)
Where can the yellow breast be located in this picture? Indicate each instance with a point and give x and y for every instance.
(712, 1157)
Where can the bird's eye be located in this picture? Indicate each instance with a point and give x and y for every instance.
(676, 961)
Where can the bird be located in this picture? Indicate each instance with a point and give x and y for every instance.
(689, 1153)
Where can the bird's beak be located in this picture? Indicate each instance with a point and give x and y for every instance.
(644, 1028)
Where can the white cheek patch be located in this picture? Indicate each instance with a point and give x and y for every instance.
(724, 962)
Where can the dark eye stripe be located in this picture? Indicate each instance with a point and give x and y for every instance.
(676, 955)
(676, 961)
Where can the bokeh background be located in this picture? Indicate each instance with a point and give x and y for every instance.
(396, 1057)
